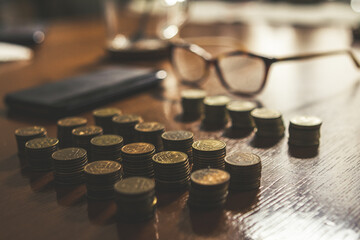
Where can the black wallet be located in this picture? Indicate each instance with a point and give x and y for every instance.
(80, 93)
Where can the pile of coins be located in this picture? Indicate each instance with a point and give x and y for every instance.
(209, 153)
(103, 118)
(209, 188)
(137, 159)
(239, 112)
(123, 125)
(215, 111)
(304, 131)
(150, 132)
(172, 170)
(25, 134)
(65, 127)
(106, 147)
(39, 151)
(192, 103)
(100, 179)
(245, 171)
(83, 135)
(268, 122)
(135, 198)
(178, 141)
(69, 165)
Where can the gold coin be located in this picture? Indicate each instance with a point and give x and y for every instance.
(193, 94)
(69, 154)
(149, 126)
(102, 167)
(219, 100)
(30, 131)
(170, 157)
(243, 159)
(177, 135)
(209, 145)
(106, 112)
(138, 148)
(306, 121)
(241, 106)
(72, 121)
(127, 118)
(87, 131)
(265, 113)
(210, 176)
(134, 186)
(44, 142)
(106, 140)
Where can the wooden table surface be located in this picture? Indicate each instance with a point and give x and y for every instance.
(303, 195)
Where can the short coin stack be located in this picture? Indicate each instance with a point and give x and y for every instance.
(65, 127)
(209, 153)
(100, 179)
(239, 112)
(245, 171)
(83, 135)
(39, 151)
(103, 118)
(215, 111)
(150, 132)
(137, 159)
(192, 103)
(135, 198)
(123, 125)
(25, 134)
(209, 188)
(304, 131)
(106, 147)
(178, 141)
(69, 165)
(172, 170)
(268, 122)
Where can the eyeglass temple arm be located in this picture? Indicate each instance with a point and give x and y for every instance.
(315, 55)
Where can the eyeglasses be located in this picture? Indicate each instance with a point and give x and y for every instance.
(241, 72)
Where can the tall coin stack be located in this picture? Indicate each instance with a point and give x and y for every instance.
(103, 118)
(69, 165)
(150, 132)
(83, 135)
(209, 188)
(100, 179)
(39, 151)
(215, 111)
(245, 171)
(304, 131)
(178, 141)
(65, 127)
(209, 153)
(268, 122)
(192, 103)
(123, 125)
(135, 198)
(137, 159)
(106, 147)
(25, 134)
(172, 170)
(239, 112)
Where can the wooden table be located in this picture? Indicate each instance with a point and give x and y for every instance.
(302, 195)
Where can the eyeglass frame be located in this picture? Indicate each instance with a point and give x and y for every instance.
(209, 60)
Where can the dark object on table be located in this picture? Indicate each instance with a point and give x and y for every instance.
(28, 34)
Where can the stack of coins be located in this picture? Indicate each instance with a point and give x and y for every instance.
(239, 112)
(192, 103)
(172, 170)
(209, 153)
(150, 132)
(178, 141)
(268, 122)
(39, 151)
(209, 188)
(137, 159)
(106, 147)
(103, 118)
(69, 165)
(123, 125)
(215, 111)
(135, 198)
(23, 135)
(304, 131)
(65, 127)
(100, 179)
(83, 135)
(245, 171)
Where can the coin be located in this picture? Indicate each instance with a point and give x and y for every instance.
(106, 112)
(307, 122)
(149, 127)
(72, 121)
(135, 186)
(210, 177)
(169, 157)
(41, 143)
(127, 119)
(138, 148)
(30, 131)
(209, 145)
(265, 113)
(193, 94)
(242, 159)
(87, 131)
(241, 106)
(102, 167)
(192, 103)
(219, 100)
(106, 140)
(178, 135)
(68, 154)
